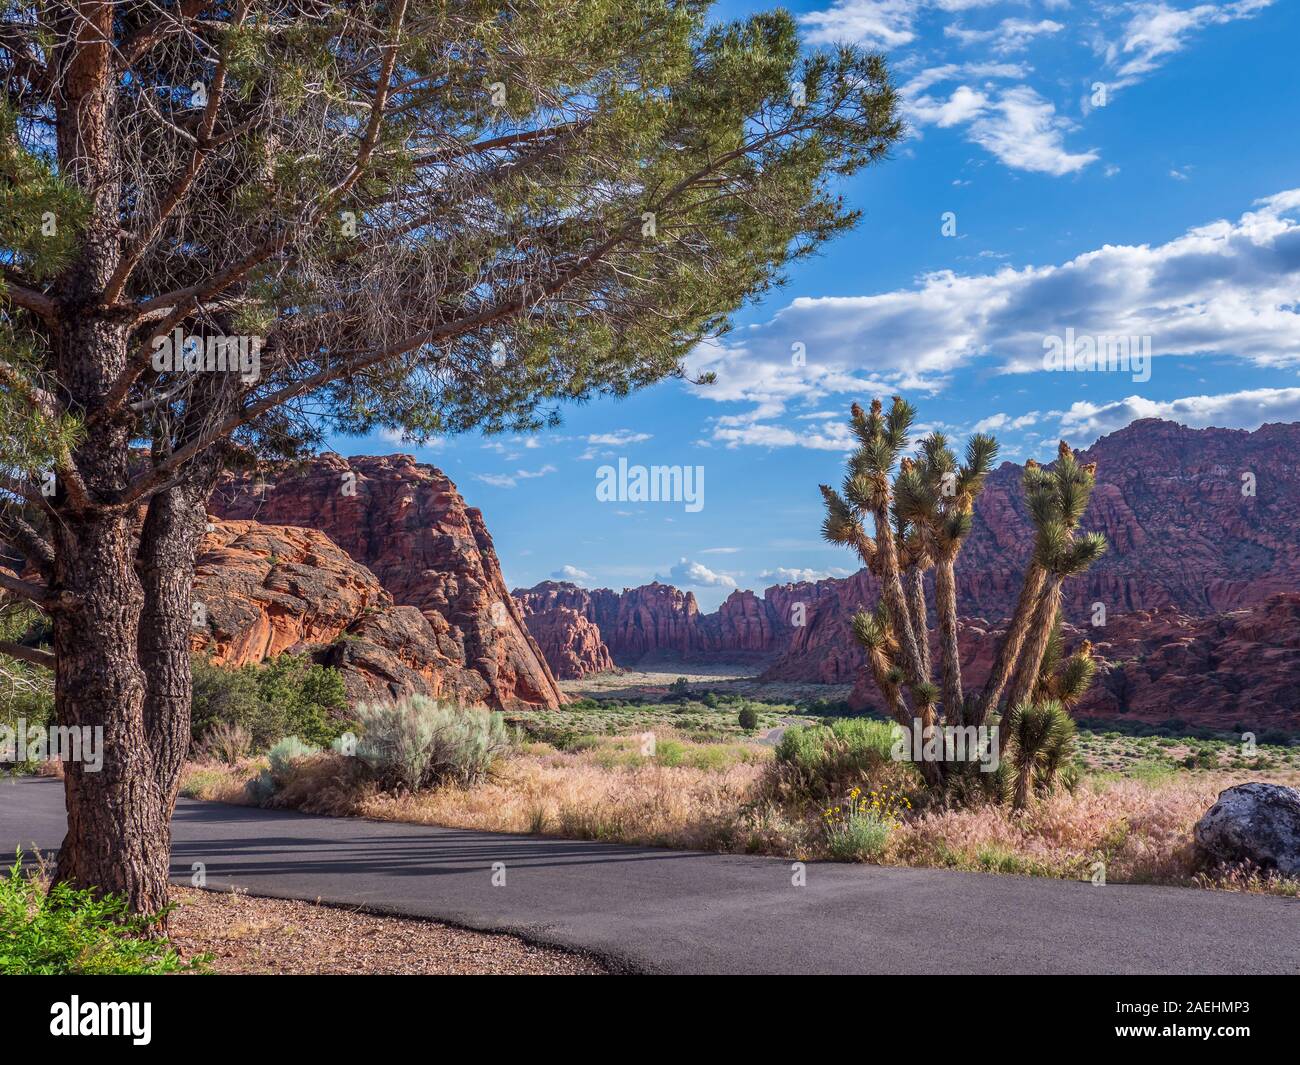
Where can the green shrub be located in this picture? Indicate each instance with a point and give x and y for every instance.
(262, 788)
(64, 931)
(420, 742)
(862, 836)
(748, 718)
(287, 695)
(820, 762)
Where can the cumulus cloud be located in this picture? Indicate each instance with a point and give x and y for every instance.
(1231, 410)
(571, 574)
(874, 23)
(686, 573)
(1024, 131)
(1228, 289)
(789, 575)
(1005, 422)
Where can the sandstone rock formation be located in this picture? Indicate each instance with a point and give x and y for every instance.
(266, 590)
(570, 642)
(1258, 824)
(406, 523)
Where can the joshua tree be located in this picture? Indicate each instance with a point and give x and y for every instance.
(1057, 497)
(920, 522)
(1038, 738)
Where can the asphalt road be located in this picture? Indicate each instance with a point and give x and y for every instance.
(651, 910)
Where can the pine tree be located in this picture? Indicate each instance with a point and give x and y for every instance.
(426, 217)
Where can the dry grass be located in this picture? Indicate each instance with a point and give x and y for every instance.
(1141, 832)
(604, 793)
(721, 797)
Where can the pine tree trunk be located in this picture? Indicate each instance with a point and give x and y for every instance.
(1039, 635)
(1012, 642)
(169, 542)
(945, 602)
(117, 836)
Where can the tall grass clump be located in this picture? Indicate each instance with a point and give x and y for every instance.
(419, 742)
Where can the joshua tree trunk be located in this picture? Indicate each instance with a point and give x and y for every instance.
(1038, 637)
(892, 588)
(945, 602)
(1012, 642)
(1022, 787)
(920, 620)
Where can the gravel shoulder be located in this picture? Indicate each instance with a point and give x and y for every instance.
(250, 935)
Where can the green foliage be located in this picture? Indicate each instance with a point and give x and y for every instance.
(61, 930)
(1039, 740)
(818, 763)
(288, 695)
(863, 835)
(26, 690)
(281, 757)
(748, 718)
(420, 742)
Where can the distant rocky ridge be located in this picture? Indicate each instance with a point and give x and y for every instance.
(1189, 552)
(408, 526)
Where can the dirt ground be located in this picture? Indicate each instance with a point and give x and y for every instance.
(255, 935)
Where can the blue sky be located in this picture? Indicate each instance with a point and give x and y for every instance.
(1165, 206)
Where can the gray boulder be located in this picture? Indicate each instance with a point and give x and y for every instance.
(1255, 823)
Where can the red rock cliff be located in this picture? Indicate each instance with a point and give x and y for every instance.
(407, 523)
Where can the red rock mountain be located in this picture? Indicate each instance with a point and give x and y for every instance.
(406, 523)
(1192, 580)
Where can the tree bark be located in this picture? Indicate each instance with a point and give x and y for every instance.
(1012, 642)
(1036, 641)
(945, 602)
(116, 838)
(920, 619)
(895, 599)
(173, 529)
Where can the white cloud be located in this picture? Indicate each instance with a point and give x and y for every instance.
(720, 551)
(1014, 123)
(686, 573)
(832, 436)
(571, 574)
(1156, 31)
(874, 23)
(1227, 288)
(399, 438)
(788, 575)
(1010, 35)
(1005, 422)
(510, 480)
(618, 438)
(1024, 131)
(1232, 410)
